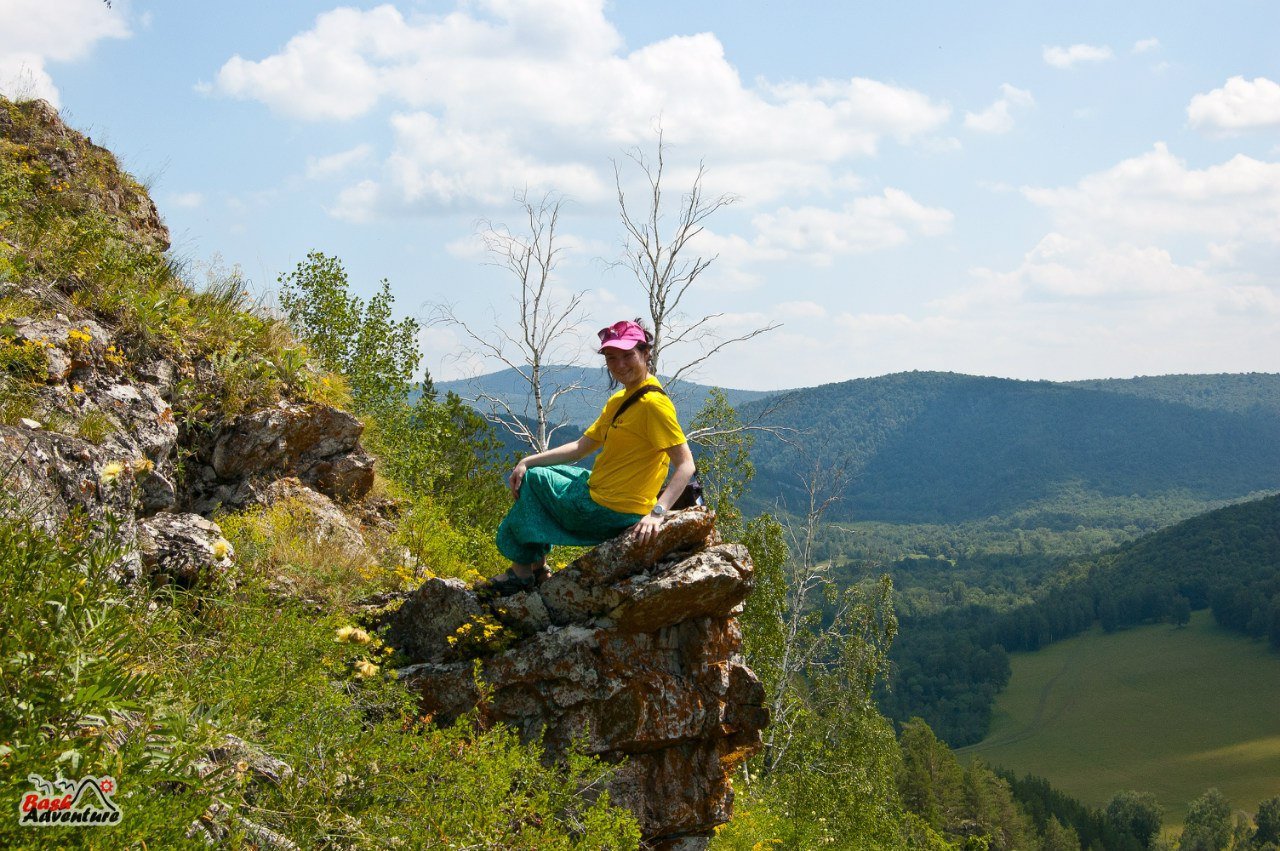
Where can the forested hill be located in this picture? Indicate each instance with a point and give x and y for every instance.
(948, 667)
(580, 408)
(942, 447)
(1242, 393)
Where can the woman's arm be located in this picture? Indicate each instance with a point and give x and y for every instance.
(566, 454)
(682, 458)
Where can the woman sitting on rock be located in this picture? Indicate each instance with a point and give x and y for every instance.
(561, 504)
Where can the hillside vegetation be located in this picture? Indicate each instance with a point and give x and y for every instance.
(1240, 393)
(253, 703)
(950, 664)
(247, 710)
(946, 448)
(1170, 711)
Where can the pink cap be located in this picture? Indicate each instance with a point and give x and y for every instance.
(622, 335)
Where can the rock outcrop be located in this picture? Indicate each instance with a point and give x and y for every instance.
(105, 432)
(70, 154)
(632, 651)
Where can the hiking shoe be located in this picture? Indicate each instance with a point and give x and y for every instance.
(506, 584)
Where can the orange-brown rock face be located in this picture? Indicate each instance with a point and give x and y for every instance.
(633, 651)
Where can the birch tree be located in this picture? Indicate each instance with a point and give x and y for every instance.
(830, 644)
(660, 235)
(544, 332)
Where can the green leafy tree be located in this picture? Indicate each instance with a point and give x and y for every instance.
(430, 448)
(444, 448)
(1059, 837)
(724, 460)
(363, 342)
(1267, 831)
(763, 630)
(991, 808)
(1180, 614)
(930, 781)
(1136, 813)
(1208, 823)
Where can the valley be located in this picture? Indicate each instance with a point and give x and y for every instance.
(1172, 711)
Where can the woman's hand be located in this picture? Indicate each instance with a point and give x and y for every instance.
(647, 529)
(516, 477)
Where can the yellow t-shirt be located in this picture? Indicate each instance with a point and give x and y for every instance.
(633, 463)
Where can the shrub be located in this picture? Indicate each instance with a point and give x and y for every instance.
(74, 697)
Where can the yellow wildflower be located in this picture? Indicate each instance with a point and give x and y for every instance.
(221, 549)
(352, 634)
(110, 472)
(366, 669)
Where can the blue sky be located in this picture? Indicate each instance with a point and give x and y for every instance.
(1027, 190)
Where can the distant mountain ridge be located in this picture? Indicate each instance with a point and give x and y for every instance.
(929, 447)
(581, 408)
(1240, 392)
(935, 447)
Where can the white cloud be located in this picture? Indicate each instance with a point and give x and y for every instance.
(547, 92)
(1146, 45)
(1076, 306)
(327, 166)
(1066, 57)
(1239, 105)
(801, 310)
(189, 200)
(1064, 267)
(998, 118)
(34, 33)
(1156, 196)
(865, 224)
(1150, 264)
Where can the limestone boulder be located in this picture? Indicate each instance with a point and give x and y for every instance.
(638, 659)
(318, 444)
(183, 548)
(51, 478)
(323, 520)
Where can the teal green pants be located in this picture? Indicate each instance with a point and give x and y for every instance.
(555, 507)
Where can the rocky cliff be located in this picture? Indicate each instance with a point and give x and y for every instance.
(111, 418)
(632, 652)
(93, 424)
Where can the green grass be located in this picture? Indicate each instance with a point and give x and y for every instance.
(1157, 709)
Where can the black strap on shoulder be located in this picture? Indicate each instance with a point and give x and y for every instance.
(633, 398)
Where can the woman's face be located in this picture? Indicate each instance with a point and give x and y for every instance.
(628, 367)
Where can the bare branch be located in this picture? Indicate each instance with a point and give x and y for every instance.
(659, 258)
(717, 347)
(544, 325)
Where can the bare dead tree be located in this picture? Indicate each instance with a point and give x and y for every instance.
(834, 640)
(806, 643)
(545, 327)
(664, 263)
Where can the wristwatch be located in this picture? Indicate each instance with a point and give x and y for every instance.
(658, 510)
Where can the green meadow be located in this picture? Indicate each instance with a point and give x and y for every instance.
(1155, 708)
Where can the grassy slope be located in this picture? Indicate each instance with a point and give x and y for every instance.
(1164, 710)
